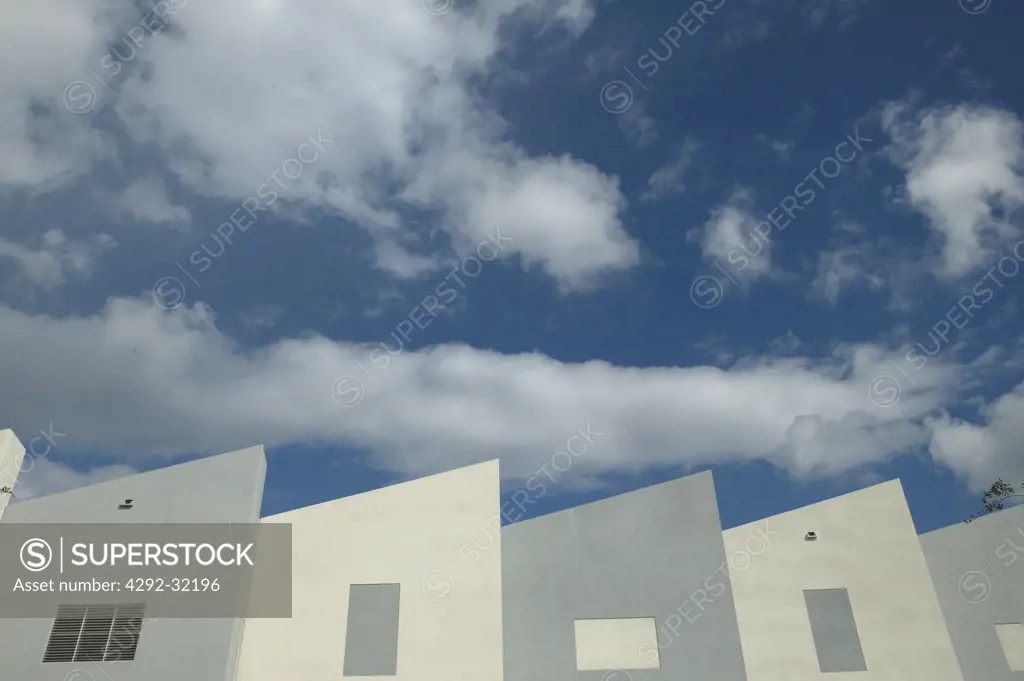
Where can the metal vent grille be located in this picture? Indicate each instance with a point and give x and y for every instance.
(95, 633)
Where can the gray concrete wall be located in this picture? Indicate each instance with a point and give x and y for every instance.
(220, 489)
(978, 573)
(641, 554)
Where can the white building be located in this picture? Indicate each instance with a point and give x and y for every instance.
(418, 581)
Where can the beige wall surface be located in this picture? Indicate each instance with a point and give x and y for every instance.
(1011, 638)
(866, 544)
(12, 452)
(410, 534)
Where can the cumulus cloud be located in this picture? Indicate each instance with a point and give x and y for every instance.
(41, 477)
(390, 84)
(41, 142)
(818, 13)
(982, 452)
(668, 179)
(57, 258)
(559, 213)
(841, 269)
(964, 170)
(145, 200)
(729, 239)
(140, 382)
(853, 262)
(639, 126)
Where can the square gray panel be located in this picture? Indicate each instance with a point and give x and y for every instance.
(371, 639)
(835, 631)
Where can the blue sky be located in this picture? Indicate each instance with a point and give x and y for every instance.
(554, 213)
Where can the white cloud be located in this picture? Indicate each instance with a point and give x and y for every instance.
(639, 127)
(728, 238)
(389, 83)
(856, 261)
(982, 453)
(782, 148)
(560, 213)
(401, 263)
(965, 172)
(41, 142)
(145, 199)
(57, 257)
(817, 13)
(842, 269)
(786, 344)
(763, 18)
(261, 317)
(136, 382)
(41, 477)
(668, 180)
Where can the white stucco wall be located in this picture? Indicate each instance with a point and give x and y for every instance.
(867, 544)
(410, 534)
(12, 452)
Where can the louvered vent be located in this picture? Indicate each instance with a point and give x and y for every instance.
(95, 633)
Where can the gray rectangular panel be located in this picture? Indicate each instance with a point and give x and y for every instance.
(371, 639)
(834, 631)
